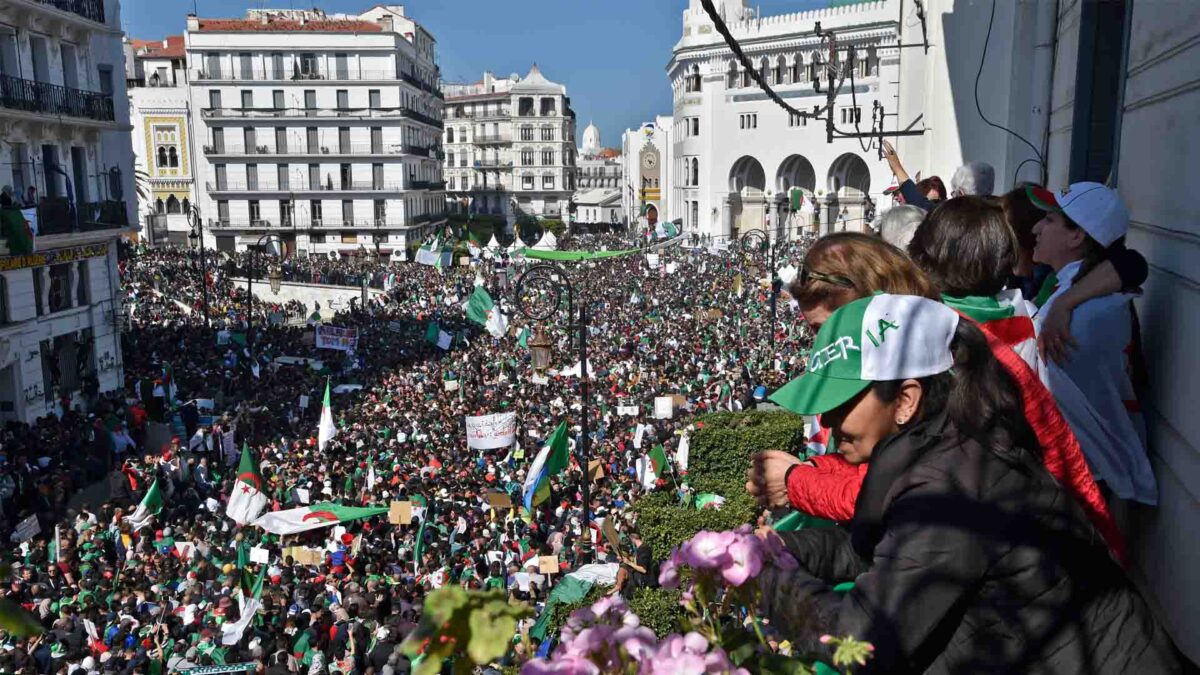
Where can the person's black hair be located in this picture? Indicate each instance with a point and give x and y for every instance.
(1094, 252)
(966, 246)
(980, 398)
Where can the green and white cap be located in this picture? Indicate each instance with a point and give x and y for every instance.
(875, 339)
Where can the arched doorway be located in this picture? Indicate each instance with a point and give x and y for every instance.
(796, 172)
(747, 203)
(849, 185)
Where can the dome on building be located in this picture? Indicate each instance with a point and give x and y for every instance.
(536, 83)
(591, 140)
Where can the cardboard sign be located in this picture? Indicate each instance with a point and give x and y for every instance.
(499, 500)
(548, 564)
(27, 529)
(400, 513)
(714, 314)
(595, 470)
(450, 385)
(610, 534)
(304, 555)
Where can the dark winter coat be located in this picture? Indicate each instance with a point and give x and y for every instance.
(967, 562)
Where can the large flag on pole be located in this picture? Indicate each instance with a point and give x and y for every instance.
(247, 500)
(482, 310)
(550, 461)
(327, 430)
(313, 517)
(151, 504)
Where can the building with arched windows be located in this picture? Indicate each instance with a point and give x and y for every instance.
(736, 154)
(510, 146)
(162, 121)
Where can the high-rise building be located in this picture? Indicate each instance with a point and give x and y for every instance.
(156, 74)
(510, 146)
(324, 130)
(67, 164)
(738, 154)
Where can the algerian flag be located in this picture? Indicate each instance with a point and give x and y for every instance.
(314, 516)
(231, 633)
(420, 507)
(652, 467)
(327, 430)
(482, 310)
(523, 337)
(550, 461)
(708, 499)
(302, 650)
(247, 500)
(151, 504)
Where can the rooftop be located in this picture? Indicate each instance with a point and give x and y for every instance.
(288, 25)
(170, 47)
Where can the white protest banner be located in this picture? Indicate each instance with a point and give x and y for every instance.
(260, 555)
(347, 388)
(304, 401)
(335, 337)
(450, 385)
(627, 410)
(302, 495)
(652, 260)
(664, 407)
(540, 380)
(671, 268)
(637, 437)
(27, 529)
(488, 432)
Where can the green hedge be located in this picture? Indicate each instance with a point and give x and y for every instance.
(658, 609)
(719, 456)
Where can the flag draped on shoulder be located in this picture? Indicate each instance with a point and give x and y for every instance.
(151, 505)
(314, 516)
(550, 461)
(326, 431)
(248, 499)
(482, 310)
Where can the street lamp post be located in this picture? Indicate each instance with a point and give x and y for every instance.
(196, 236)
(273, 276)
(539, 295)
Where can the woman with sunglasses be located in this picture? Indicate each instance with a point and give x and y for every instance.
(844, 267)
(966, 554)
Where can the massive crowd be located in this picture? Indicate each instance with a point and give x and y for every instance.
(973, 475)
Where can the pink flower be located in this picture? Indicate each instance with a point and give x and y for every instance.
(560, 665)
(778, 554)
(745, 560)
(668, 573)
(640, 643)
(707, 550)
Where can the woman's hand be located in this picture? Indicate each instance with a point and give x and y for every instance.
(1055, 340)
(767, 478)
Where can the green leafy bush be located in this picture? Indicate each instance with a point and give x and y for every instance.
(658, 609)
(557, 227)
(720, 454)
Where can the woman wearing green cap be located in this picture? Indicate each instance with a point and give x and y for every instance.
(967, 555)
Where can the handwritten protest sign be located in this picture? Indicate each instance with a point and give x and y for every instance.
(27, 529)
(335, 337)
(664, 408)
(499, 500)
(488, 432)
(595, 470)
(548, 564)
(400, 513)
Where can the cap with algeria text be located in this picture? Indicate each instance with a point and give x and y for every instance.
(1094, 207)
(874, 339)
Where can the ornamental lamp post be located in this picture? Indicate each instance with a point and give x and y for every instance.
(540, 349)
(275, 277)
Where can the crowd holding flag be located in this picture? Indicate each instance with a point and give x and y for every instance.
(551, 460)
(248, 499)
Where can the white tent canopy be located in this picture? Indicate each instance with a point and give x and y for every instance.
(548, 242)
(493, 245)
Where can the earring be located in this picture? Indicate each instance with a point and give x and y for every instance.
(901, 422)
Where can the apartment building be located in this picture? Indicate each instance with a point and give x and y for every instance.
(510, 146)
(323, 130)
(67, 163)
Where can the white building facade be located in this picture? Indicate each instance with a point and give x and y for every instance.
(68, 160)
(162, 143)
(737, 154)
(323, 130)
(649, 176)
(510, 146)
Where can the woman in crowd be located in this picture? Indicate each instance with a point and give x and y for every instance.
(967, 555)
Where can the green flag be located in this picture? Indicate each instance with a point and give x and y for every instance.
(523, 337)
(431, 333)
(419, 546)
(151, 504)
(658, 459)
(17, 234)
(550, 461)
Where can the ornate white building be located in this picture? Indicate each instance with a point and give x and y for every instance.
(510, 143)
(156, 73)
(66, 156)
(649, 174)
(322, 129)
(737, 153)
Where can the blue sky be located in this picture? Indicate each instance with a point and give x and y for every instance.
(611, 54)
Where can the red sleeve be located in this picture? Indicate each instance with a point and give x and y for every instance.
(827, 490)
(1060, 449)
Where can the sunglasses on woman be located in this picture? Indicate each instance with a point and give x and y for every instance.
(807, 275)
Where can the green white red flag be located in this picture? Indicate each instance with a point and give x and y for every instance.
(247, 500)
(314, 517)
(326, 431)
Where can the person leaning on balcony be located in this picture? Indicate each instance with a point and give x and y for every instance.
(966, 555)
(17, 235)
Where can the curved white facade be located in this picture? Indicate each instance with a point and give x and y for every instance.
(736, 153)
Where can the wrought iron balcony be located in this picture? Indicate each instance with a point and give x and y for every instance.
(288, 74)
(428, 184)
(52, 99)
(93, 10)
(55, 216)
(300, 186)
(492, 163)
(493, 138)
(356, 149)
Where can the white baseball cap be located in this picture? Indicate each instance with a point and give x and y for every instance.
(1094, 207)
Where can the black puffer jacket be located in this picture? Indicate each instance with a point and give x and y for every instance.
(965, 562)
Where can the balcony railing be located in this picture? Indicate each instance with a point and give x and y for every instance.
(492, 163)
(318, 113)
(326, 224)
(55, 216)
(493, 138)
(289, 74)
(364, 149)
(428, 184)
(92, 10)
(52, 99)
(264, 186)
